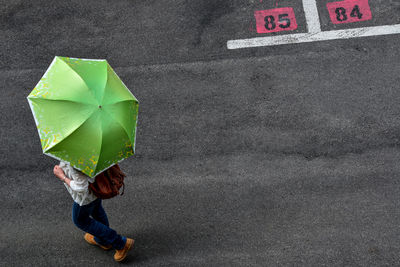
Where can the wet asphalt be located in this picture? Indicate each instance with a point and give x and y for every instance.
(270, 156)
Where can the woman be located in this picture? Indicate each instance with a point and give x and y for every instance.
(86, 204)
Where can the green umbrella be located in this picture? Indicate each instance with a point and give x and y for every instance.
(84, 114)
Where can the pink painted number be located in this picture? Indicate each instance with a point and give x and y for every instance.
(349, 11)
(275, 20)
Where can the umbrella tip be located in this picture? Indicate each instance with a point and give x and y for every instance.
(99, 106)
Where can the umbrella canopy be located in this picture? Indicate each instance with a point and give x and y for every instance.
(84, 114)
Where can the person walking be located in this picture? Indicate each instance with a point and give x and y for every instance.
(88, 213)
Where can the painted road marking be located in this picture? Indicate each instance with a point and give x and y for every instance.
(275, 20)
(349, 11)
(312, 17)
(314, 37)
(314, 33)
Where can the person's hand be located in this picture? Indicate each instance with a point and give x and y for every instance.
(58, 172)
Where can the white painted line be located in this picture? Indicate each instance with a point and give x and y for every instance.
(312, 17)
(314, 37)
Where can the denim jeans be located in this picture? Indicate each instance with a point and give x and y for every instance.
(97, 225)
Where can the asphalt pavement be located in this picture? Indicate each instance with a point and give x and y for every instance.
(271, 156)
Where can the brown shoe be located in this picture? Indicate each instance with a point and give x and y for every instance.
(90, 239)
(120, 254)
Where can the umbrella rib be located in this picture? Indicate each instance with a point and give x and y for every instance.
(127, 134)
(105, 84)
(65, 137)
(120, 101)
(98, 159)
(80, 77)
(101, 146)
(50, 99)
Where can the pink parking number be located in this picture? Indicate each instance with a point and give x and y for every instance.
(349, 11)
(275, 20)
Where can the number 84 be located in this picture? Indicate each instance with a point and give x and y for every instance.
(341, 13)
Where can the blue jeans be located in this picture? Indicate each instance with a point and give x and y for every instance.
(97, 225)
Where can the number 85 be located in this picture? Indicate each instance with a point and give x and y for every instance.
(284, 22)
